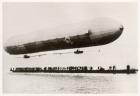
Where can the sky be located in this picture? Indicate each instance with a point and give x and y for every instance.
(23, 18)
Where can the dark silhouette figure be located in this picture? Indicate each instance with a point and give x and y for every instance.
(128, 68)
(114, 67)
(110, 68)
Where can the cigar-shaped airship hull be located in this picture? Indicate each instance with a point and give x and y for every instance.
(94, 33)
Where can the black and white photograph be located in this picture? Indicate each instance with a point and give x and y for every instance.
(70, 48)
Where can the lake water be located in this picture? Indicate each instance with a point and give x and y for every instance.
(70, 83)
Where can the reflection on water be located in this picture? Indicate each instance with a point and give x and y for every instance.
(70, 83)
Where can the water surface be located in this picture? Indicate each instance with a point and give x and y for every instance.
(70, 83)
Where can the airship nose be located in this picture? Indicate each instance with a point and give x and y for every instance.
(106, 35)
(121, 28)
(117, 33)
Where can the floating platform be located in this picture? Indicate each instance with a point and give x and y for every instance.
(79, 69)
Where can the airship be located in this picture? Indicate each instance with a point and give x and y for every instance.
(97, 32)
